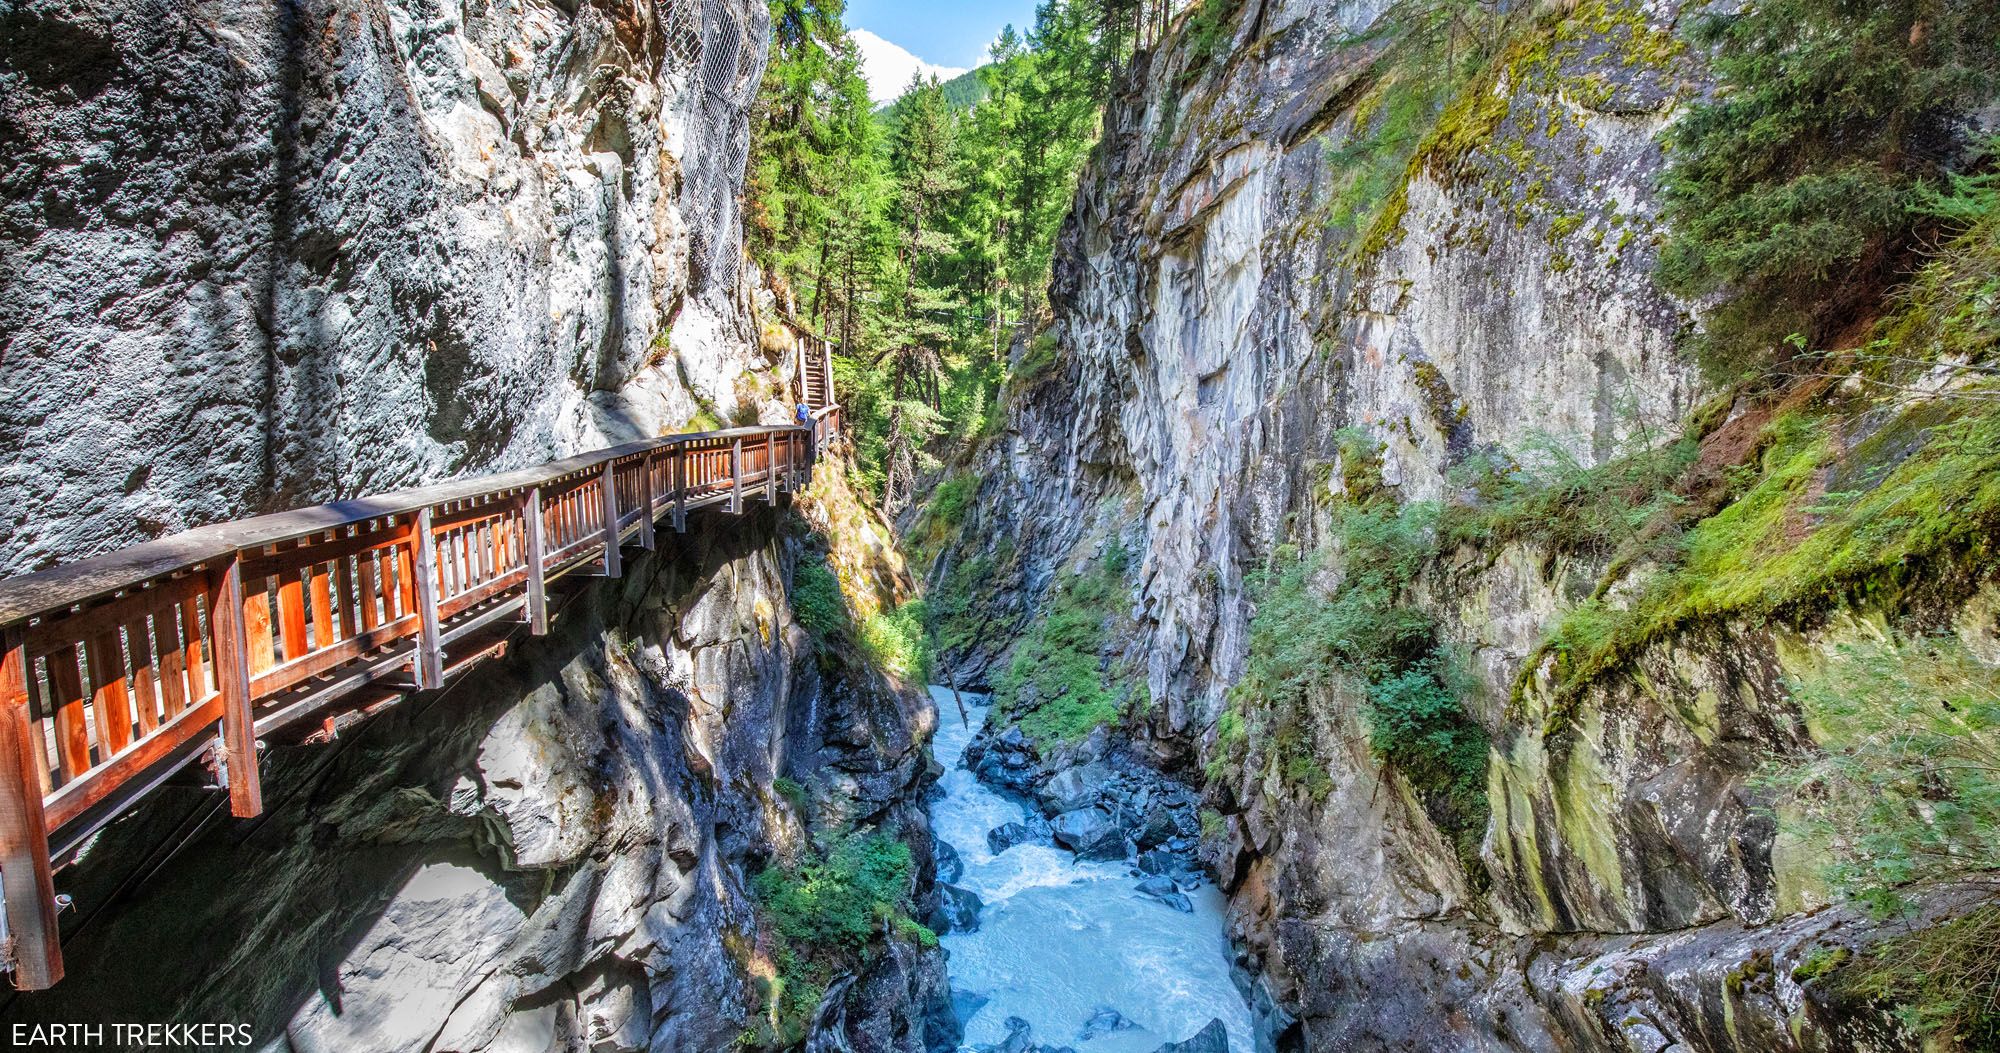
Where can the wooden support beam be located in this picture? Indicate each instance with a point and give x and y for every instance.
(607, 500)
(34, 948)
(232, 679)
(736, 475)
(770, 467)
(538, 602)
(680, 489)
(647, 505)
(429, 659)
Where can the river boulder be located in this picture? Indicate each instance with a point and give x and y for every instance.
(1213, 1038)
(1073, 788)
(949, 866)
(1005, 836)
(957, 910)
(1103, 1022)
(1091, 833)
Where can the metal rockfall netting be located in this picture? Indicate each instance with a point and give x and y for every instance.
(708, 40)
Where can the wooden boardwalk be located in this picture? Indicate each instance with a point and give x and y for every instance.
(117, 672)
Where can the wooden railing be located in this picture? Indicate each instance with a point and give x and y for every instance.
(117, 672)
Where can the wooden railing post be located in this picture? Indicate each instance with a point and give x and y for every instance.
(607, 498)
(34, 942)
(647, 506)
(680, 488)
(231, 644)
(736, 475)
(770, 467)
(826, 357)
(428, 663)
(538, 602)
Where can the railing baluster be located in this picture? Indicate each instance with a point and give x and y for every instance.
(109, 703)
(228, 628)
(680, 488)
(770, 467)
(25, 877)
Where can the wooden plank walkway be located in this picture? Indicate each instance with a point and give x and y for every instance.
(118, 671)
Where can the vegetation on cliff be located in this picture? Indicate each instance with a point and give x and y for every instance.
(1060, 684)
(1800, 187)
(825, 912)
(1339, 627)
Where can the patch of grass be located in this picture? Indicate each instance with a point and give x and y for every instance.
(793, 793)
(1043, 352)
(952, 499)
(1057, 686)
(958, 603)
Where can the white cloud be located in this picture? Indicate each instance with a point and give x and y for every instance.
(888, 67)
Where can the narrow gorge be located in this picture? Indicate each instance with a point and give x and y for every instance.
(1236, 526)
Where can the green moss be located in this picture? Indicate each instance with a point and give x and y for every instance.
(1820, 963)
(1784, 549)
(1059, 685)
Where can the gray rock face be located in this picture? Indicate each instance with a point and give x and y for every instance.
(263, 254)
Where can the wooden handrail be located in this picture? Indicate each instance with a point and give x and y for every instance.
(119, 670)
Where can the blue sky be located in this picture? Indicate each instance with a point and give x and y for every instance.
(943, 32)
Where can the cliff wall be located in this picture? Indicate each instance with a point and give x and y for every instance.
(262, 255)
(1262, 339)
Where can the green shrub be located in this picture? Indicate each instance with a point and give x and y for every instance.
(951, 500)
(816, 598)
(842, 900)
(1906, 782)
(825, 912)
(1310, 643)
(1943, 980)
(1548, 494)
(897, 642)
(1209, 31)
(1802, 178)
